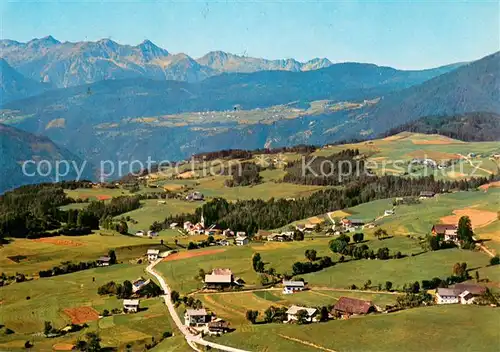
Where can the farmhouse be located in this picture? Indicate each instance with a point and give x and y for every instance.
(440, 229)
(139, 233)
(139, 283)
(447, 296)
(389, 212)
(223, 243)
(451, 235)
(281, 237)
(292, 314)
(228, 233)
(427, 194)
(153, 254)
(196, 317)
(213, 230)
(195, 196)
(173, 225)
(347, 306)
(219, 279)
(152, 233)
(103, 261)
(293, 286)
(476, 290)
(130, 305)
(218, 327)
(241, 241)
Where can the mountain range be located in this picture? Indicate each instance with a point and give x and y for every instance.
(17, 146)
(143, 101)
(69, 64)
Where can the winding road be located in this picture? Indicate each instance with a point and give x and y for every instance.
(191, 339)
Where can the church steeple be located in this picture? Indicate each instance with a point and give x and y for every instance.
(202, 220)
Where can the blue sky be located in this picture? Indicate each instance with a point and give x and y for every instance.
(401, 34)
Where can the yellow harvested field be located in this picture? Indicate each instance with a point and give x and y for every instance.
(187, 174)
(315, 220)
(491, 184)
(454, 174)
(338, 214)
(479, 218)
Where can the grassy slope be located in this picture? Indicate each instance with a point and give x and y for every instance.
(437, 328)
(405, 146)
(49, 296)
(41, 255)
(233, 306)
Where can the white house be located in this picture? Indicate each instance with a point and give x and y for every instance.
(139, 233)
(389, 212)
(447, 296)
(130, 305)
(173, 225)
(466, 298)
(241, 241)
(153, 254)
(451, 235)
(103, 261)
(291, 314)
(293, 286)
(196, 317)
(152, 233)
(139, 283)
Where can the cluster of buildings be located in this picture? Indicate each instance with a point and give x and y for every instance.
(240, 238)
(459, 293)
(132, 305)
(344, 308)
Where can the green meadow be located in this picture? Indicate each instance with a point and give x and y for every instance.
(436, 328)
(26, 306)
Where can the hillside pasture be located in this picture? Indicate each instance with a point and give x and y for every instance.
(73, 298)
(44, 253)
(436, 328)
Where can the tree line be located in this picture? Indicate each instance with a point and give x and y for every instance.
(252, 215)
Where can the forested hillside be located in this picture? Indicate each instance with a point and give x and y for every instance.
(477, 126)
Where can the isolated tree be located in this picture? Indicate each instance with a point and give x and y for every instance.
(93, 342)
(175, 296)
(358, 237)
(112, 256)
(47, 328)
(298, 235)
(257, 263)
(464, 230)
(367, 284)
(252, 315)
(380, 233)
(337, 245)
(122, 227)
(388, 286)
(495, 260)
(433, 242)
(201, 274)
(323, 314)
(126, 289)
(476, 275)
(311, 254)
